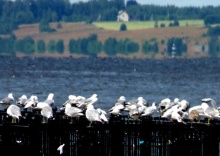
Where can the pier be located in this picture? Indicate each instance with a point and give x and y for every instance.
(122, 136)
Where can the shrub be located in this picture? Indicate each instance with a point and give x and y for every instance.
(123, 27)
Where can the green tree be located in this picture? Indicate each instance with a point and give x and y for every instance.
(45, 27)
(26, 45)
(7, 44)
(155, 47)
(72, 46)
(131, 47)
(146, 47)
(94, 48)
(93, 37)
(7, 27)
(123, 27)
(82, 44)
(120, 47)
(60, 46)
(212, 44)
(51, 46)
(41, 46)
(214, 31)
(110, 14)
(212, 19)
(59, 25)
(29, 45)
(110, 46)
(176, 23)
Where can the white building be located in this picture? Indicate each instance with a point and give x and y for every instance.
(122, 16)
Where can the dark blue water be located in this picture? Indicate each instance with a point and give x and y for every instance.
(110, 78)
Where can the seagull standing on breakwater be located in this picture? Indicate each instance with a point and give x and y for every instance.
(72, 111)
(14, 111)
(21, 101)
(91, 100)
(31, 102)
(71, 100)
(47, 113)
(210, 112)
(92, 114)
(7, 101)
(118, 107)
(178, 115)
(149, 111)
(48, 102)
(102, 115)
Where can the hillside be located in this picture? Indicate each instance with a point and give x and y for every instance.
(192, 36)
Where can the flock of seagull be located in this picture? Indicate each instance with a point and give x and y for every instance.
(75, 106)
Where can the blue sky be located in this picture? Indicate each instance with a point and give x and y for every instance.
(181, 2)
(199, 3)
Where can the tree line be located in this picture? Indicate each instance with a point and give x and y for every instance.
(87, 46)
(14, 13)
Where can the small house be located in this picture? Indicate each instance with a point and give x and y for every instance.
(122, 16)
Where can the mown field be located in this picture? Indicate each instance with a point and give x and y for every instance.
(192, 31)
(135, 25)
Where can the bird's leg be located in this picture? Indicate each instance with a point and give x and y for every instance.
(46, 120)
(191, 125)
(209, 120)
(43, 120)
(90, 125)
(71, 120)
(13, 120)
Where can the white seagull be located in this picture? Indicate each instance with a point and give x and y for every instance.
(121, 100)
(168, 112)
(149, 111)
(91, 100)
(118, 107)
(7, 100)
(210, 101)
(50, 100)
(47, 113)
(164, 105)
(14, 111)
(71, 100)
(103, 115)
(210, 112)
(141, 102)
(133, 112)
(178, 115)
(41, 105)
(31, 102)
(60, 148)
(73, 112)
(21, 100)
(92, 114)
(116, 110)
(184, 105)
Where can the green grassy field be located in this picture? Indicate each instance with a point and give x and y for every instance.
(134, 25)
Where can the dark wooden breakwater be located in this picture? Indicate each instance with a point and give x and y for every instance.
(120, 137)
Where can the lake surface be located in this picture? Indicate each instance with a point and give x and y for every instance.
(110, 78)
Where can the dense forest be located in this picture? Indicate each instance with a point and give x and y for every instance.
(15, 13)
